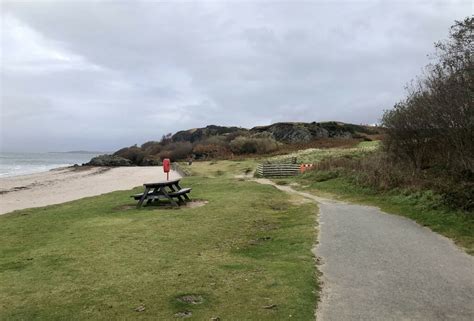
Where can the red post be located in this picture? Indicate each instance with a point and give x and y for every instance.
(166, 168)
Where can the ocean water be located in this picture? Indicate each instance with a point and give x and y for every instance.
(13, 164)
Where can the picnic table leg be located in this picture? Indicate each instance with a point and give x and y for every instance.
(169, 197)
(144, 196)
(186, 198)
(183, 198)
(173, 188)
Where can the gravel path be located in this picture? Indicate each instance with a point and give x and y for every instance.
(385, 267)
(378, 266)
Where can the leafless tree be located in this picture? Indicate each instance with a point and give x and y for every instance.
(434, 125)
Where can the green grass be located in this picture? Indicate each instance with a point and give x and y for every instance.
(423, 207)
(99, 258)
(314, 155)
(220, 168)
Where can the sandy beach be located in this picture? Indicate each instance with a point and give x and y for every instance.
(67, 184)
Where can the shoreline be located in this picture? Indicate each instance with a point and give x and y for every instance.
(55, 168)
(14, 164)
(64, 184)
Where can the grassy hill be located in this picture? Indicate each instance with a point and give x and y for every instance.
(220, 142)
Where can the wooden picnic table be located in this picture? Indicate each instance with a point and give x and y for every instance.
(167, 190)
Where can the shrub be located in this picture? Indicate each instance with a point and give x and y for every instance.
(176, 151)
(243, 145)
(434, 125)
(215, 140)
(253, 145)
(458, 194)
(266, 145)
(109, 160)
(152, 147)
(152, 160)
(231, 136)
(133, 153)
(203, 151)
(381, 172)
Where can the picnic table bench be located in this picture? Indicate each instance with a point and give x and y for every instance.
(164, 190)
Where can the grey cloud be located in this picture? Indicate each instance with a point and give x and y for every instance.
(100, 75)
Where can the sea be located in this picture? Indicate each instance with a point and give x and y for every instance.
(14, 164)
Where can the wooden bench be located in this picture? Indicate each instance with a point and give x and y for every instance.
(137, 197)
(181, 193)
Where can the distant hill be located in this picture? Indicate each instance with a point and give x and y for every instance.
(286, 132)
(224, 142)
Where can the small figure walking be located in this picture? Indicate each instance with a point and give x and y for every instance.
(190, 160)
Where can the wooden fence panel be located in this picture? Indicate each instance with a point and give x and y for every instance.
(277, 170)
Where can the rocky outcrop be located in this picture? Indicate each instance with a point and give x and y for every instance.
(304, 132)
(197, 134)
(289, 132)
(109, 160)
(286, 132)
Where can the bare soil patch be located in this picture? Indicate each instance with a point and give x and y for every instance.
(191, 299)
(183, 314)
(195, 203)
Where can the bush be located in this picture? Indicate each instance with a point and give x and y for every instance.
(382, 173)
(133, 153)
(231, 136)
(109, 160)
(206, 150)
(243, 145)
(429, 141)
(458, 195)
(151, 160)
(152, 147)
(434, 125)
(176, 151)
(253, 145)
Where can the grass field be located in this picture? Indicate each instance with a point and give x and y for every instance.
(245, 255)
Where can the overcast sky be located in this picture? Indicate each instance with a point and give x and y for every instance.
(103, 75)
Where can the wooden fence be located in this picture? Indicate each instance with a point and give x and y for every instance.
(277, 170)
